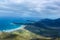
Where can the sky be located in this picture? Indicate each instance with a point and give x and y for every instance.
(30, 8)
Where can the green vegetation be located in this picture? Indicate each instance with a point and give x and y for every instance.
(21, 34)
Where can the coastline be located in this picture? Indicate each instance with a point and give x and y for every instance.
(22, 26)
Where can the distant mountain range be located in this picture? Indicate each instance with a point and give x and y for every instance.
(49, 22)
(53, 23)
(51, 27)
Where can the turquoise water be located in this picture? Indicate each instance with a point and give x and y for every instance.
(7, 23)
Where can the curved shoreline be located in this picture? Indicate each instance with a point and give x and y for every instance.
(22, 26)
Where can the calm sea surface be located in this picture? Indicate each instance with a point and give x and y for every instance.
(8, 23)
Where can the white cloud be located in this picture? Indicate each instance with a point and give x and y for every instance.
(33, 8)
(16, 1)
(46, 8)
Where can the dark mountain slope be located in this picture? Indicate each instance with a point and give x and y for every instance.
(46, 27)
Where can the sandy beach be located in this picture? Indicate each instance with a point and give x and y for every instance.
(22, 26)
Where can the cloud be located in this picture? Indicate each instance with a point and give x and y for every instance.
(16, 1)
(31, 8)
(46, 8)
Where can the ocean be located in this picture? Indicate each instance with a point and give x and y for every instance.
(7, 23)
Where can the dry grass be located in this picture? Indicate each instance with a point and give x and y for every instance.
(21, 34)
